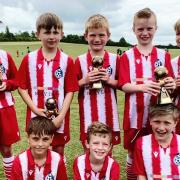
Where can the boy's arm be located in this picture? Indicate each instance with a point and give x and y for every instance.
(141, 177)
(65, 107)
(61, 174)
(27, 99)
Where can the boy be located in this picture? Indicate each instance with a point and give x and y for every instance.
(136, 79)
(48, 72)
(159, 153)
(98, 104)
(176, 69)
(95, 164)
(9, 131)
(39, 162)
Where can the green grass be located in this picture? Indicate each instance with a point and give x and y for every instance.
(74, 147)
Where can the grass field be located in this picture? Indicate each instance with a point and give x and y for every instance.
(73, 148)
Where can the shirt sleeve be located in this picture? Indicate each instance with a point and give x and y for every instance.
(23, 74)
(78, 70)
(11, 82)
(138, 168)
(76, 175)
(61, 174)
(115, 171)
(16, 173)
(71, 83)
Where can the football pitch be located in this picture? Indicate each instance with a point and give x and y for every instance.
(73, 148)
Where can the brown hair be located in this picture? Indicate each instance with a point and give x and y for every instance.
(144, 13)
(98, 128)
(164, 110)
(40, 125)
(97, 21)
(47, 21)
(177, 26)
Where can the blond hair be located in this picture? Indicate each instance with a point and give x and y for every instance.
(164, 110)
(97, 21)
(177, 26)
(47, 21)
(98, 128)
(144, 13)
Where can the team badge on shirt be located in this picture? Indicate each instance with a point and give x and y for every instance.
(49, 177)
(109, 70)
(2, 69)
(177, 160)
(158, 63)
(58, 73)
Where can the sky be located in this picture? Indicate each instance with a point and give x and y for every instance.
(21, 15)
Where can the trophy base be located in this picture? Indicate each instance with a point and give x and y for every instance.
(97, 86)
(165, 101)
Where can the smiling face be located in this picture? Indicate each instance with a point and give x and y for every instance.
(144, 29)
(50, 38)
(178, 38)
(39, 144)
(162, 127)
(99, 146)
(97, 39)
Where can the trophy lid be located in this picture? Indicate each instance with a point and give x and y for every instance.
(51, 103)
(160, 72)
(97, 61)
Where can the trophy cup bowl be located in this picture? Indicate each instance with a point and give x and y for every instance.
(51, 108)
(97, 63)
(160, 73)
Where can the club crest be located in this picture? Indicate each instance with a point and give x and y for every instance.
(158, 63)
(58, 73)
(177, 160)
(155, 154)
(2, 69)
(49, 177)
(109, 70)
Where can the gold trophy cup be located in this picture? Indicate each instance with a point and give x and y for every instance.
(160, 73)
(51, 108)
(97, 63)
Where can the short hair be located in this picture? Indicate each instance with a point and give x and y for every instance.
(97, 21)
(98, 128)
(177, 26)
(144, 13)
(40, 125)
(47, 21)
(164, 110)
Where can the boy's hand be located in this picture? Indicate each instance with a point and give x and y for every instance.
(177, 81)
(57, 122)
(3, 86)
(104, 75)
(92, 76)
(152, 88)
(169, 83)
(39, 112)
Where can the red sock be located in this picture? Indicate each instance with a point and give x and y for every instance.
(7, 163)
(130, 174)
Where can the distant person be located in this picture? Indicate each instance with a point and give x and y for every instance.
(49, 73)
(98, 104)
(28, 49)
(136, 79)
(157, 156)
(39, 162)
(96, 164)
(17, 53)
(9, 131)
(176, 69)
(119, 51)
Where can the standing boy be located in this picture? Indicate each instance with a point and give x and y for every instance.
(39, 162)
(96, 164)
(9, 132)
(48, 72)
(157, 156)
(176, 69)
(136, 79)
(98, 104)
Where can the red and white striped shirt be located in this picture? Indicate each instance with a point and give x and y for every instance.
(176, 69)
(83, 171)
(98, 104)
(24, 167)
(157, 162)
(135, 68)
(44, 79)
(9, 72)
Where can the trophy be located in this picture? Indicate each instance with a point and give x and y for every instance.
(51, 108)
(160, 73)
(1, 74)
(97, 63)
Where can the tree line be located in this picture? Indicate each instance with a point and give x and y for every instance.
(78, 39)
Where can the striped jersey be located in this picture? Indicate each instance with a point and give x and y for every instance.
(157, 162)
(98, 104)
(8, 73)
(44, 79)
(24, 167)
(82, 169)
(135, 68)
